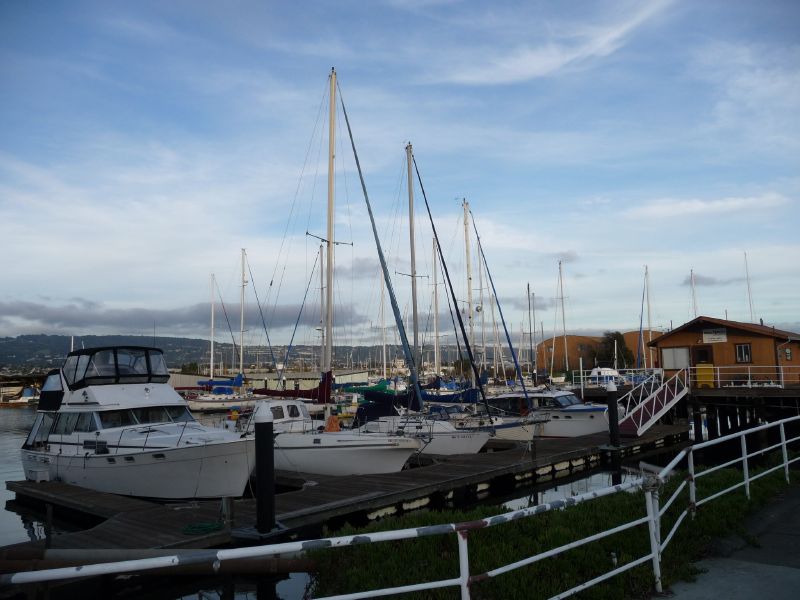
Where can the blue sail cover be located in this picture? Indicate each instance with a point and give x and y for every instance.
(236, 382)
(468, 396)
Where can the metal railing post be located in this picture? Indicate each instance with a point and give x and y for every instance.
(785, 454)
(745, 470)
(463, 563)
(692, 482)
(652, 517)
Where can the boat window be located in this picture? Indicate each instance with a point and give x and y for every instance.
(116, 418)
(65, 423)
(179, 413)
(304, 411)
(69, 369)
(101, 368)
(52, 383)
(277, 412)
(86, 423)
(567, 400)
(83, 362)
(151, 414)
(158, 367)
(40, 430)
(293, 411)
(132, 365)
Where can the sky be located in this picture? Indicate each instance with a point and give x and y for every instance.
(145, 144)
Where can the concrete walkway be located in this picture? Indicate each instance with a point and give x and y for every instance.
(742, 571)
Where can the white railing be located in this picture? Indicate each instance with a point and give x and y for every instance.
(755, 376)
(646, 403)
(650, 484)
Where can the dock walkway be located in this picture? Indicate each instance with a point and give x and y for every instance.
(134, 523)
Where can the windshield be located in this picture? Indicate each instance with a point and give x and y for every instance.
(567, 400)
(115, 365)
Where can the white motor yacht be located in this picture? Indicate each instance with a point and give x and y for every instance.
(109, 421)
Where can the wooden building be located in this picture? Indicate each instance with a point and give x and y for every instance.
(724, 353)
(585, 347)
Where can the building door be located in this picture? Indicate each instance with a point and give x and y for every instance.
(702, 355)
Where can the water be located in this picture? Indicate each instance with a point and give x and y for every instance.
(15, 527)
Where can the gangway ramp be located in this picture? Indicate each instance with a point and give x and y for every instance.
(646, 403)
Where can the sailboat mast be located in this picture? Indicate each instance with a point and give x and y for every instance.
(531, 329)
(241, 318)
(563, 317)
(465, 204)
(327, 362)
(649, 322)
(211, 362)
(383, 325)
(415, 318)
(321, 306)
(694, 294)
(483, 315)
(749, 291)
(437, 359)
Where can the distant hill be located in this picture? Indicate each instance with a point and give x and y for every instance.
(27, 353)
(48, 351)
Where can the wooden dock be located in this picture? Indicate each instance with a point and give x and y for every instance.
(134, 523)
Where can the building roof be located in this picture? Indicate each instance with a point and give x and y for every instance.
(754, 328)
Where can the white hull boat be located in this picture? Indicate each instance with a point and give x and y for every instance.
(342, 452)
(108, 421)
(437, 437)
(306, 445)
(554, 413)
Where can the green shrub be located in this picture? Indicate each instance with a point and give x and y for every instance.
(388, 564)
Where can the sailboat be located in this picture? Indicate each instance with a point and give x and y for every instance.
(224, 394)
(305, 448)
(439, 436)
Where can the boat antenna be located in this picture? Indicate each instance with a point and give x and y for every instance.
(412, 366)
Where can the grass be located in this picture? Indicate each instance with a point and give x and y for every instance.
(388, 564)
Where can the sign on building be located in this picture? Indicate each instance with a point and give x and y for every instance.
(716, 335)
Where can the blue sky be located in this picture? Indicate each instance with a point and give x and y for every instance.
(145, 143)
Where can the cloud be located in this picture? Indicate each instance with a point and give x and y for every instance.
(565, 256)
(580, 44)
(80, 315)
(756, 90)
(671, 208)
(708, 281)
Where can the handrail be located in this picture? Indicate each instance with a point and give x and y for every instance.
(650, 484)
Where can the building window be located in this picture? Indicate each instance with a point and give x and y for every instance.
(743, 353)
(675, 358)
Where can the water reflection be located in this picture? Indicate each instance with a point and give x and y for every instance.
(582, 485)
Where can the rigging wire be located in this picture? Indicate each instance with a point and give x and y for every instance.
(499, 308)
(401, 329)
(261, 312)
(452, 292)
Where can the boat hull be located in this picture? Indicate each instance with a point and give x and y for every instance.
(341, 453)
(203, 471)
(437, 437)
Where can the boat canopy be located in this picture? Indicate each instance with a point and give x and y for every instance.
(114, 365)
